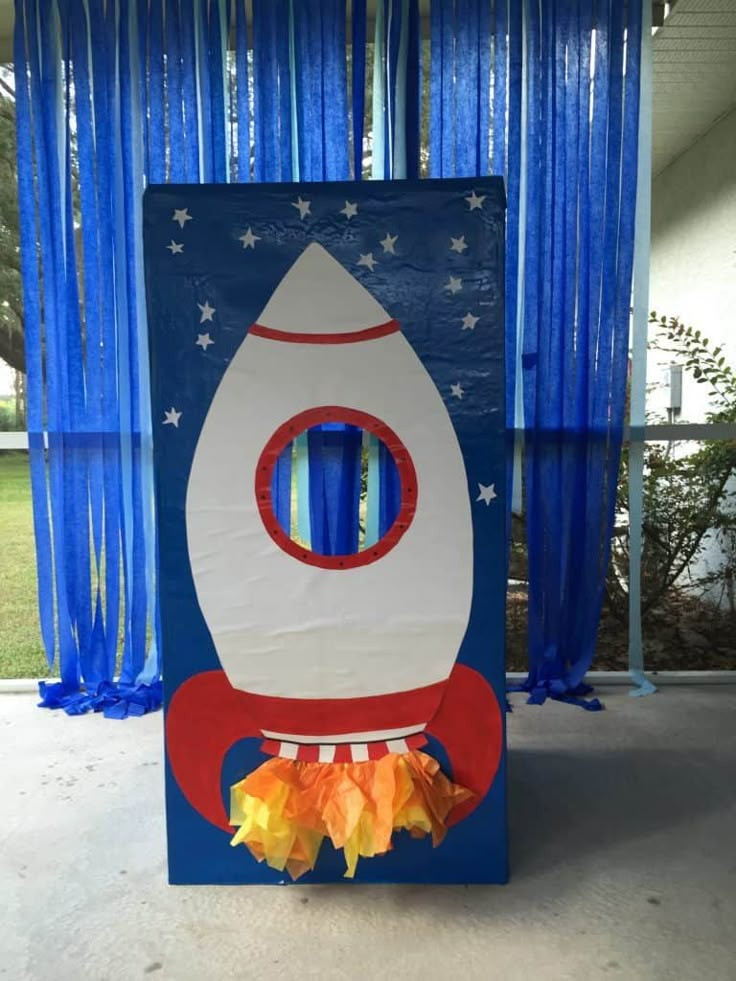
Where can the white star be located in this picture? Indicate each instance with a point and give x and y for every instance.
(204, 341)
(303, 207)
(350, 210)
(469, 321)
(389, 242)
(175, 248)
(487, 493)
(249, 239)
(172, 417)
(454, 284)
(207, 311)
(182, 216)
(475, 201)
(458, 244)
(457, 390)
(367, 260)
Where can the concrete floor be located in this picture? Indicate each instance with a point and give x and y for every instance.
(623, 862)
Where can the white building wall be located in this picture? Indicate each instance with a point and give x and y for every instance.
(693, 268)
(6, 379)
(693, 277)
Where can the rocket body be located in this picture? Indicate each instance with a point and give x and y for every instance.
(330, 655)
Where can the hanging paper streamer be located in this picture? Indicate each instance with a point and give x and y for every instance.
(88, 380)
(331, 512)
(578, 253)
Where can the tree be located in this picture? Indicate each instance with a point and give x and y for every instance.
(688, 497)
(11, 293)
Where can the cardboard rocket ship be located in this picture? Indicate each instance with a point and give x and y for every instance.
(340, 663)
(338, 657)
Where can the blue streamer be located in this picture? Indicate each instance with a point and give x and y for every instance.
(317, 508)
(448, 103)
(46, 95)
(265, 91)
(577, 235)
(283, 54)
(578, 262)
(95, 392)
(175, 93)
(334, 91)
(467, 87)
(373, 493)
(243, 103)
(102, 38)
(303, 524)
(413, 121)
(76, 472)
(390, 490)
(295, 171)
(194, 167)
(513, 184)
(395, 87)
(144, 487)
(334, 476)
(128, 378)
(281, 488)
(156, 92)
(500, 70)
(436, 78)
(378, 149)
(32, 336)
(204, 94)
(358, 84)
(142, 44)
(91, 262)
(217, 107)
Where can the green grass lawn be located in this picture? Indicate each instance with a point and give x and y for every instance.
(21, 651)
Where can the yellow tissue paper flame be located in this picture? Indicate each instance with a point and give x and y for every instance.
(285, 808)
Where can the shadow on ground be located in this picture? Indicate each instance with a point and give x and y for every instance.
(568, 813)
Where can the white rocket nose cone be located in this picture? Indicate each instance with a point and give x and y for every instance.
(319, 296)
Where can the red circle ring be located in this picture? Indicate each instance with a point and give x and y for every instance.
(354, 417)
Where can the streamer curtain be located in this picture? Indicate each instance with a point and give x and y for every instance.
(111, 95)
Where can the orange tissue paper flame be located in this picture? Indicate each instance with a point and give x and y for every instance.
(285, 808)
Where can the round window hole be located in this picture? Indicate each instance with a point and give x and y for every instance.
(336, 489)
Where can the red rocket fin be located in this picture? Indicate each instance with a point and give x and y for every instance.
(469, 725)
(205, 717)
